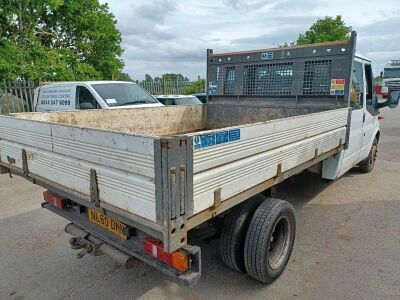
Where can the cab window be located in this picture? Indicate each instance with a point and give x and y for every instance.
(85, 99)
(357, 86)
(370, 85)
(166, 101)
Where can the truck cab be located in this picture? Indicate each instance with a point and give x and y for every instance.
(390, 76)
(91, 95)
(364, 131)
(364, 124)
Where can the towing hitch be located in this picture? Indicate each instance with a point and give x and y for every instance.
(88, 247)
(94, 246)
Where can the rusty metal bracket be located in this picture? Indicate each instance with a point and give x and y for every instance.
(182, 143)
(166, 145)
(94, 188)
(217, 197)
(4, 170)
(279, 170)
(25, 169)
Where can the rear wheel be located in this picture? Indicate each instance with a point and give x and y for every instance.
(368, 164)
(269, 240)
(234, 231)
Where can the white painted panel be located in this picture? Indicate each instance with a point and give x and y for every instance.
(126, 190)
(239, 165)
(117, 150)
(269, 135)
(26, 132)
(65, 154)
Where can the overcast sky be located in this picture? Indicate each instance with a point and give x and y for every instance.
(167, 36)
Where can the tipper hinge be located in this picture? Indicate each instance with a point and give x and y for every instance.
(94, 188)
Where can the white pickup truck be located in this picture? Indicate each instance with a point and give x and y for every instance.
(143, 183)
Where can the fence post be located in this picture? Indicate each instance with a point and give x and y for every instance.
(31, 91)
(26, 99)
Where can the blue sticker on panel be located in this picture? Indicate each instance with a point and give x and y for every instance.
(339, 92)
(267, 55)
(212, 88)
(234, 135)
(205, 140)
(221, 137)
(217, 138)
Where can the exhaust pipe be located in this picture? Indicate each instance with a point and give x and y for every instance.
(95, 246)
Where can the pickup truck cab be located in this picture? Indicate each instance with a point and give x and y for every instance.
(91, 95)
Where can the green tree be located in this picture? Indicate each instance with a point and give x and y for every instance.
(148, 78)
(124, 77)
(58, 40)
(196, 87)
(325, 30)
(174, 77)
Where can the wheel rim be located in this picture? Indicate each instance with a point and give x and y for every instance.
(279, 243)
(372, 158)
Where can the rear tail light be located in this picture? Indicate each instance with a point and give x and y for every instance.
(54, 200)
(179, 259)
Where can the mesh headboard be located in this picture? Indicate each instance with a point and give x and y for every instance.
(317, 74)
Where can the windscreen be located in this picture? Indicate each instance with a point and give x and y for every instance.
(391, 73)
(119, 94)
(187, 101)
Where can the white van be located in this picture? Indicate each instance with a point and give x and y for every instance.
(91, 95)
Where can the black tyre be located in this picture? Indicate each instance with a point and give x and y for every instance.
(368, 164)
(234, 231)
(269, 240)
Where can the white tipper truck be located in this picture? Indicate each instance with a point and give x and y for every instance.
(143, 183)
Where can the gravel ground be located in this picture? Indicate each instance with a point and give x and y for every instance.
(347, 244)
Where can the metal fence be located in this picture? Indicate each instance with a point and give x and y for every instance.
(165, 87)
(17, 96)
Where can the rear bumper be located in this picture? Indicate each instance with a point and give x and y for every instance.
(123, 251)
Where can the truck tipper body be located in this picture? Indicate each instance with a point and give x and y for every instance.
(142, 183)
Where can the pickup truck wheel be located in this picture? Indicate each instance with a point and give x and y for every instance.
(269, 240)
(234, 230)
(368, 164)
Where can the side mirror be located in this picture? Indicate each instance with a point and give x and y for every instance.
(86, 105)
(381, 74)
(393, 98)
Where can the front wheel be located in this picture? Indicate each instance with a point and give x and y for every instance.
(269, 240)
(367, 165)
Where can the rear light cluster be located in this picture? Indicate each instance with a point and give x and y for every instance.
(55, 200)
(179, 259)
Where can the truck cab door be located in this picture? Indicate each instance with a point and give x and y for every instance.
(369, 122)
(357, 103)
